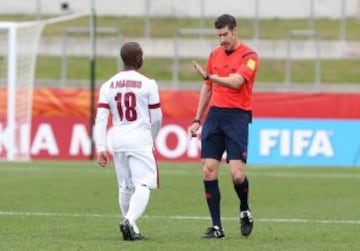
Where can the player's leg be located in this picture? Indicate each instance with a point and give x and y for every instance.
(125, 193)
(138, 203)
(124, 181)
(144, 175)
(211, 152)
(125, 185)
(137, 206)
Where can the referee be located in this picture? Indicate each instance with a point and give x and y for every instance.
(229, 79)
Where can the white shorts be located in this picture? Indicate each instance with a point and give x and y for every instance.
(136, 169)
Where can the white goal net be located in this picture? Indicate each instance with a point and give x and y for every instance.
(18, 49)
(18, 52)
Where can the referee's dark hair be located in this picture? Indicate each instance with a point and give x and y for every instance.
(225, 20)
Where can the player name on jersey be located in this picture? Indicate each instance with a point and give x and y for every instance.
(125, 83)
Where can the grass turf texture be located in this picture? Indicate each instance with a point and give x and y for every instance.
(73, 206)
(270, 71)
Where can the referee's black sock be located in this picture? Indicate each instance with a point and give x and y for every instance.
(242, 191)
(213, 200)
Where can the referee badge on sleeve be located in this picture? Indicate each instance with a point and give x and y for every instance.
(251, 64)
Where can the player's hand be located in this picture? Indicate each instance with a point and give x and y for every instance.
(203, 74)
(103, 158)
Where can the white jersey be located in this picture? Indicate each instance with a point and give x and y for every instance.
(129, 96)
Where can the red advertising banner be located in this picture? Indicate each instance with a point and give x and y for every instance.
(61, 126)
(68, 138)
(181, 104)
(307, 105)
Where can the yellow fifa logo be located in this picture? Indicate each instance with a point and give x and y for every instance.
(251, 64)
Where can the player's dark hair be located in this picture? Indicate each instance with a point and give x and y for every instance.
(225, 20)
(131, 54)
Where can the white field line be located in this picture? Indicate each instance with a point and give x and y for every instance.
(251, 172)
(178, 217)
(304, 175)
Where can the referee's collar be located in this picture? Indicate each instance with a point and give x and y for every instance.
(231, 51)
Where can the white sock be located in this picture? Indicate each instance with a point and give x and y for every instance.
(137, 206)
(136, 229)
(124, 200)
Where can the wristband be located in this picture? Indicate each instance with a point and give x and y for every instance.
(196, 121)
(207, 77)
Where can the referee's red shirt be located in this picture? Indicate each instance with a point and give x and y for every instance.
(244, 61)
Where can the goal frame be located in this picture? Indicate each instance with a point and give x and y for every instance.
(11, 28)
(14, 151)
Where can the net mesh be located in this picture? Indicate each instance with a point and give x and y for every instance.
(18, 50)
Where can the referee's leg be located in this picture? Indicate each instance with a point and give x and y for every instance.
(241, 186)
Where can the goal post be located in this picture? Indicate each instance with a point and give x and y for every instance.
(19, 42)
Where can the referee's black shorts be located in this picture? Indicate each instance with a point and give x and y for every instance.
(225, 129)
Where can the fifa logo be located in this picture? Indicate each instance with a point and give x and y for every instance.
(296, 143)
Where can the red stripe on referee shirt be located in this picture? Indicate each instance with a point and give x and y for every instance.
(154, 106)
(103, 105)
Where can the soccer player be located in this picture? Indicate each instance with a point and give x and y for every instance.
(229, 78)
(134, 102)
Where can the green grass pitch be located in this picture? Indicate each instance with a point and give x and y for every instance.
(73, 206)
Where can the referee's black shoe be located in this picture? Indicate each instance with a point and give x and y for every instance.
(214, 232)
(246, 222)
